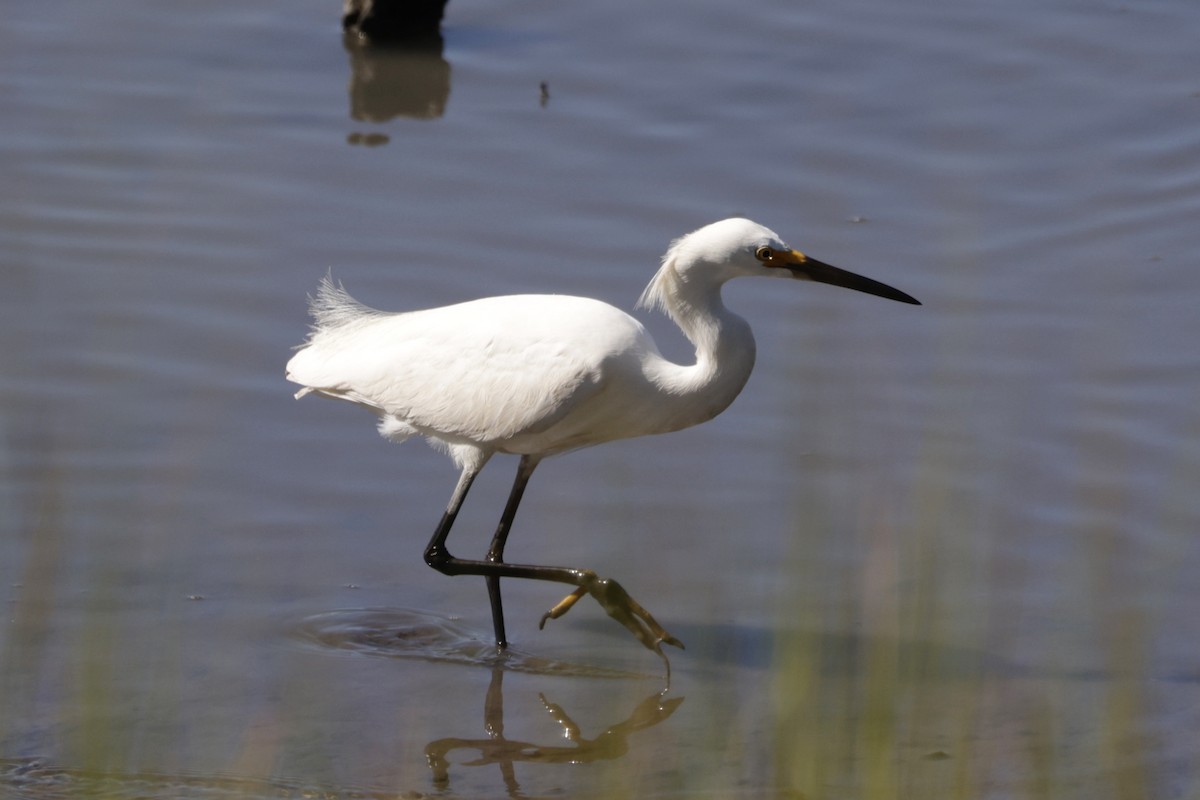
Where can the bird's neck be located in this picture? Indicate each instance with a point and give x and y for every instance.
(725, 352)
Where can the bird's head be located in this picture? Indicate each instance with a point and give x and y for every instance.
(737, 247)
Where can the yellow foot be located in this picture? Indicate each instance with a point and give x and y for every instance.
(613, 598)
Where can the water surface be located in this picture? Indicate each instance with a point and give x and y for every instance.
(937, 551)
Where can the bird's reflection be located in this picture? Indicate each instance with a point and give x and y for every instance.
(494, 748)
(396, 78)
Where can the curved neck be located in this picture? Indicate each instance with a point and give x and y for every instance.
(725, 353)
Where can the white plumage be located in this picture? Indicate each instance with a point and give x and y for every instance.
(502, 374)
(537, 375)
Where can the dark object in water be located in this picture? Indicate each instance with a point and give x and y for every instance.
(392, 19)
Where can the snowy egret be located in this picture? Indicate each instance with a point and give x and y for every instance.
(538, 375)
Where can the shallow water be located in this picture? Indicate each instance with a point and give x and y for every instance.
(937, 551)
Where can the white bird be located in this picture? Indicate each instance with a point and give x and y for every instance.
(538, 375)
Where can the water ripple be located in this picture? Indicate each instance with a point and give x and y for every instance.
(35, 779)
(406, 633)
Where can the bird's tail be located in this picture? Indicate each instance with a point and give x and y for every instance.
(332, 307)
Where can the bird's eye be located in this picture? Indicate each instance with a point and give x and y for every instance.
(764, 253)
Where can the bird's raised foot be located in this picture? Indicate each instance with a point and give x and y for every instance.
(613, 598)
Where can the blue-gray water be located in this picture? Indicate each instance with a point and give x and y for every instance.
(938, 551)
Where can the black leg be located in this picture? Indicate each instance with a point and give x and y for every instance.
(493, 584)
(495, 552)
(436, 550)
(608, 593)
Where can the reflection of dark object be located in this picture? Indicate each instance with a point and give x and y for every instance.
(397, 79)
(368, 139)
(611, 743)
(392, 19)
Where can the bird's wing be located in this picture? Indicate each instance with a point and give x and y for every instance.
(483, 371)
